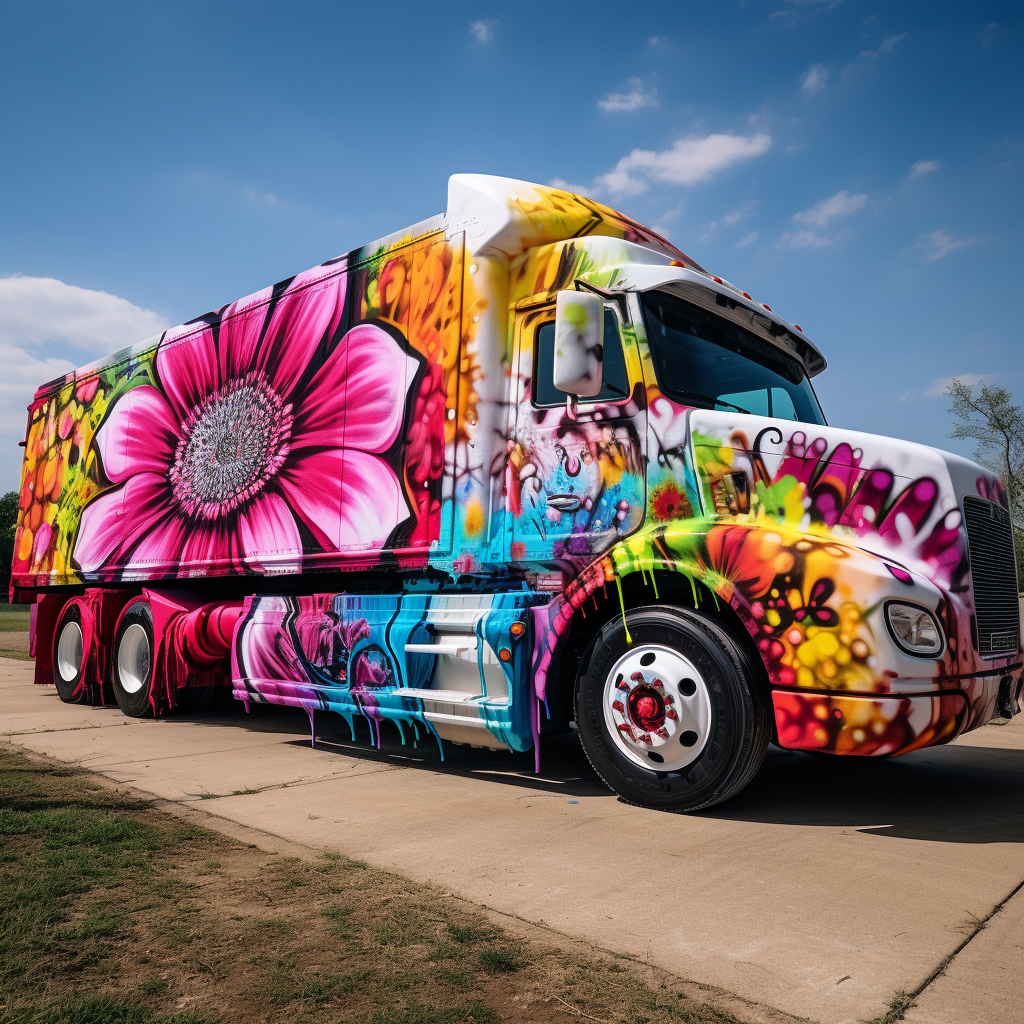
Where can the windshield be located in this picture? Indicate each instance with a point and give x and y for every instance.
(704, 360)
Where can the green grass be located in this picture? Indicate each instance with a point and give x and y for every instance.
(14, 618)
(114, 913)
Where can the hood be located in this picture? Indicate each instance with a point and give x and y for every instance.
(900, 500)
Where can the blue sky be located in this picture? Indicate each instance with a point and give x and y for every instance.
(855, 165)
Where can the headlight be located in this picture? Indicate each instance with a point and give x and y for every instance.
(914, 629)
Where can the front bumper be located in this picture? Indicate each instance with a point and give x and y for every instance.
(884, 725)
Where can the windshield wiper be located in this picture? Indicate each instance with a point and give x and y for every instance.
(713, 401)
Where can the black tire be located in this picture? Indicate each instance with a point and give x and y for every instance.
(193, 699)
(132, 661)
(734, 720)
(68, 650)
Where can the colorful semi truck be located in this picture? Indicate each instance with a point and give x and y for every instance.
(521, 468)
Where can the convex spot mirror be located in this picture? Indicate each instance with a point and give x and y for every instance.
(579, 343)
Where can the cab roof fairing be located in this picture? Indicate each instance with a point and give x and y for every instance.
(646, 277)
(503, 217)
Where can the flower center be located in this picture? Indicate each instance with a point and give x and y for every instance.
(230, 446)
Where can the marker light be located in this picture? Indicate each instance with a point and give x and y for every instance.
(766, 306)
(517, 628)
(799, 328)
(745, 295)
(914, 629)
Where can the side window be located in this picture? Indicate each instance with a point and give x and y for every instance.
(615, 384)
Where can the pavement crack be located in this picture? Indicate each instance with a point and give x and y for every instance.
(903, 1001)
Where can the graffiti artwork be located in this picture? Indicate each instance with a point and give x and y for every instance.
(408, 522)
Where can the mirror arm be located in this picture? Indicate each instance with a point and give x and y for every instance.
(618, 298)
(571, 405)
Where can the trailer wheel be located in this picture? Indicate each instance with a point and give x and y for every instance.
(133, 660)
(68, 651)
(676, 719)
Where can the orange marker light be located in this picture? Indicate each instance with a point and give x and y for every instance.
(676, 263)
(517, 629)
(718, 279)
(504, 653)
(799, 328)
(745, 295)
(766, 306)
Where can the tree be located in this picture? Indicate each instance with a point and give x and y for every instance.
(8, 522)
(990, 418)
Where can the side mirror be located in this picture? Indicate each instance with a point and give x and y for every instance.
(579, 343)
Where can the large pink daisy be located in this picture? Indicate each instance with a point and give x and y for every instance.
(251, 432)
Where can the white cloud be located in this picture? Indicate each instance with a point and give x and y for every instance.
(939, 384)
(923, 167)
(636, 98)
(804, 240)
(568, 186)
(814, 80)
(483, 30)
(749, 238)
(938, 244)
(657, 41)
(40, 317)
(889, 42)
(842, 204)
(687, 162)
(42, 309)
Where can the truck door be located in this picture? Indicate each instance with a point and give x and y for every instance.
(573, 484)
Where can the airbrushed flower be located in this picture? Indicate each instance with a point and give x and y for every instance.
(256, 422)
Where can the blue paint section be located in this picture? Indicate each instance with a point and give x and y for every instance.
(370, 656)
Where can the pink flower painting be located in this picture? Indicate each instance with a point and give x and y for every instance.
(261, 430)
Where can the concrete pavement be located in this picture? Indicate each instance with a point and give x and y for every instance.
(823, 889)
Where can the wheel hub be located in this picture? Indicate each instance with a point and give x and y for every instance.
(657, 708)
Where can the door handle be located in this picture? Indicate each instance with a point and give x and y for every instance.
(565, 502)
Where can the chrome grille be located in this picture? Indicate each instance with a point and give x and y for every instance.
(994, 572)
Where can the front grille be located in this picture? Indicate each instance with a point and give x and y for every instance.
(994, 571)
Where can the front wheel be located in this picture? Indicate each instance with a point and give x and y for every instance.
(132, 670)
(672, 718)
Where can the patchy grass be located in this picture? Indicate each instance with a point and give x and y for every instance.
(14, 618)
(14, 631)
(114, 913)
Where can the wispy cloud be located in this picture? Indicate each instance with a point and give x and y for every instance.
(727, 220)
(262, 198)
(804, 240)
(923, 167)
(657, 41)
(686, 162)
(636, 98)
(748, 239)
(940, 384)
(936, 245)
(814, 80)
(842, 204)
(483, 30)
(818, 217)
(568, 186)
(869, 58)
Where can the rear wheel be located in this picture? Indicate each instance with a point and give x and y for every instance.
(676, 719)
(132, 674)
(68, 652)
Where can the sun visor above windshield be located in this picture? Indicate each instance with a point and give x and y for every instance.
(728, 303)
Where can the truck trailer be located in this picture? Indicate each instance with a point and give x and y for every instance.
(520, 469)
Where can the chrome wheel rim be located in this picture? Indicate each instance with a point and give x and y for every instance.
(133, 659)
(69, 651)
(656, 708)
